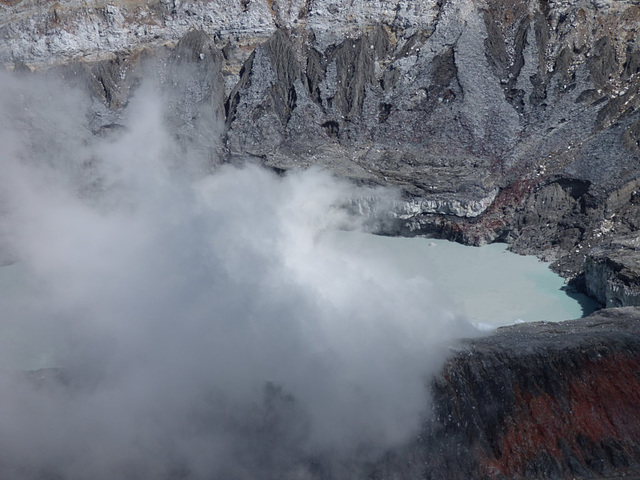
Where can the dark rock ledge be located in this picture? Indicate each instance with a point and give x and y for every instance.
(612, 272)
(532, 401)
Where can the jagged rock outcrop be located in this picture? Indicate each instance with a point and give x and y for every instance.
(450, 101)
(545, 400)
(612, 272)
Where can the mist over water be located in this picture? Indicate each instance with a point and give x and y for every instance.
(489, 285)
(204, 329)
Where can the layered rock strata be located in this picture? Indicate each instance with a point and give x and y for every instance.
(499, 120)
(612, 272)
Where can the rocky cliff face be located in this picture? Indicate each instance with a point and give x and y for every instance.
(612, 272)
(500, 120)
(535, 401)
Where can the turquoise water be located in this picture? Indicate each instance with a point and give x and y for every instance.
(489, 285)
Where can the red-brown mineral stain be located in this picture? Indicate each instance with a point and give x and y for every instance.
(599, 405)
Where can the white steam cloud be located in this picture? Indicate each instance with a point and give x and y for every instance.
(204, 325)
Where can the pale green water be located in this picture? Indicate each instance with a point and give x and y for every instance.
(488, 284)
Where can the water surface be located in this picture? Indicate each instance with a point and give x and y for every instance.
(489, 285)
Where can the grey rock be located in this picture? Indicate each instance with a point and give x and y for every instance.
(447, 101)
(612, 272)
(541, 400)
(194, 88)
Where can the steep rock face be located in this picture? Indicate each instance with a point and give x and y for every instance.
(191, 84)
(612, 272)
(512, 120)
(535, 401)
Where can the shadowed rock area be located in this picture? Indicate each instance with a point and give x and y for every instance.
(509, 120)
(613, 272)
(541, 400)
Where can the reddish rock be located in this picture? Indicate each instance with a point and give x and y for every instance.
(535, 401)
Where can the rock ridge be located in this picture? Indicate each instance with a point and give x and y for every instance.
(449, 101)
(537, 400)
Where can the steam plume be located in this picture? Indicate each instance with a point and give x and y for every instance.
(204, 325)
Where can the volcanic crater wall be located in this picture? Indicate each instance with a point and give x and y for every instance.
(537, 401)
(500, 120)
